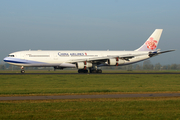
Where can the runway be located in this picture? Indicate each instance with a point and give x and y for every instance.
(85, 73)
(90, 96)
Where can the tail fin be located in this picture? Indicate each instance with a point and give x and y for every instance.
(152, 41)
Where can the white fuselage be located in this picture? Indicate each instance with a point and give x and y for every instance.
(86, 59)
(67, 58)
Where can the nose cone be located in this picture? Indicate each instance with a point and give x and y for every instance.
(9, 59)
(5, 59)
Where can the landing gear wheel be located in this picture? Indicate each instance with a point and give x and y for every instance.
(93, 71)
(85, 71)
(99, 71)
(22, 71)
(96, 71)
(82, 71)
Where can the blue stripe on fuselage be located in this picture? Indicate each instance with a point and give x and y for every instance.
(16, 62)
(20, 61)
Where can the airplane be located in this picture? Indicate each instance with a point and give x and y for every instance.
(84, 60)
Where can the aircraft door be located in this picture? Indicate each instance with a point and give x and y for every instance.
(55, 57)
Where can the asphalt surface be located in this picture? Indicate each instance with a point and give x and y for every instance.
(90, 96)
(83, 73)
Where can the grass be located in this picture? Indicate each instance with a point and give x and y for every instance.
(97, 109)
(87, 83)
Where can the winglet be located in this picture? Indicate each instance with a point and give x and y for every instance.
(152, 41)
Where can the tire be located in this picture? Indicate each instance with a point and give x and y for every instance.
(85, 71)
(22, 71)
(99, 71)
(93, 71)
(82, 71)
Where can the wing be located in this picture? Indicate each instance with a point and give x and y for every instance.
(105, 58)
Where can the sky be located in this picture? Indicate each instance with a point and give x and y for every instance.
(89, 25)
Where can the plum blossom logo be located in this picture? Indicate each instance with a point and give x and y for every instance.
(151, 43)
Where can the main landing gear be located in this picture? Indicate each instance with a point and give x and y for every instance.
(82, 71)
(90, 70)
(96, 71)
(22, 70)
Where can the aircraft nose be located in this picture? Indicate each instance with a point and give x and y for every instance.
(6, 59)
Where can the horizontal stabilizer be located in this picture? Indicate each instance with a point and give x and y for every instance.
(151, 54)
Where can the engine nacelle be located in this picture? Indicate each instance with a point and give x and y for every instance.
(80, 65)
(88, 64)
(115, 62)
(83, 65)
(120, 62)
(112, 62)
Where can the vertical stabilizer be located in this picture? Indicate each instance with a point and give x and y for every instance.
(152, 41)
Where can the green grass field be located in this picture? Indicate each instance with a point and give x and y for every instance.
(87, 83)
(93, 109)
(97, 109)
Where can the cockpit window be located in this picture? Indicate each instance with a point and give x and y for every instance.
(10, 55)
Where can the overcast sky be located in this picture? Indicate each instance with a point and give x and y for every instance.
(89, 25)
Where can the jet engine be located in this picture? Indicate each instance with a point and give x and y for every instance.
(112, 62)
(115, 62)
(83, 65)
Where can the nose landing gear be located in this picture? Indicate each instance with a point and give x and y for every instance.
(22, 70)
